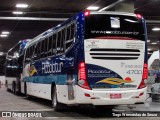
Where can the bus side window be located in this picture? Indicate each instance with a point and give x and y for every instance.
(50, 40)
(42, 48)
(27, 56)
(31, 51)
(39, 50)
(72, 31)
(35, 52)
(68, 32)
(54, 51)
(63, 40)
(45, 47)
(70, 36)
(59, 42)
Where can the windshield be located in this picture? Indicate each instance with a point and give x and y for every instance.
(105, 25)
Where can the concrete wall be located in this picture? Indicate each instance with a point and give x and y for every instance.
(2, 79)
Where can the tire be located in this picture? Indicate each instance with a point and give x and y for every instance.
(14, 88)
(56, 105)
(25, 88)
(19, 88)
(6, 84)
(153, 98)
(25, 91)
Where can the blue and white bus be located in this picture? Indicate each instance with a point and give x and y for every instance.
(13, 66)
(93, 58)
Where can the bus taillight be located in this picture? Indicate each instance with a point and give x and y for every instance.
(87, 13)
(144, 77)
(82, 82)
(139, 16)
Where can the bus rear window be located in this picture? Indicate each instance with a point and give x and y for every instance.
(99, 26)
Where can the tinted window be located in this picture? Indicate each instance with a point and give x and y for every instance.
(54, 44)
(46, 47)
(27, 59)
(71, 33)
(63, 39)
(113, 25)
(68, 32)
(72, 30)
(50, 45)
(37, 51)
(59, 42)
(31, 51)
(42, 48)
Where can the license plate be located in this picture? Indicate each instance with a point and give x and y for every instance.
(115, 96)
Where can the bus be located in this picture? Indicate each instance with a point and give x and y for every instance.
(93, 58)
(13, 66)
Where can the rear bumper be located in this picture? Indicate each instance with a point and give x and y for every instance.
(103, 97)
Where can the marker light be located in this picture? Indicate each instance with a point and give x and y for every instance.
(139, 16)
(1, 53)
(87, 13)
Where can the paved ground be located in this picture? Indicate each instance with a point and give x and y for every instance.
(19, 104)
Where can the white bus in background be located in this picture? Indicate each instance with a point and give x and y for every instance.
(13, 66)
(93, 58)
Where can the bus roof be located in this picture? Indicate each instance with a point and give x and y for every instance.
(53, 29)
(113, 13)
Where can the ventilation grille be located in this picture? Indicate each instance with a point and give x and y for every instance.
(115, 54)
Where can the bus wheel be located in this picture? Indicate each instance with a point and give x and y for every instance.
(6, 84)
(56, 105)
(14, 88)
(153, 98)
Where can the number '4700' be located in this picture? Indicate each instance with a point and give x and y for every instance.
(134, 71)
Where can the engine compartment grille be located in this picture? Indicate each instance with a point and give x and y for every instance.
(114, 54)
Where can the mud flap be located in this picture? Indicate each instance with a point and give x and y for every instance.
(70, 82)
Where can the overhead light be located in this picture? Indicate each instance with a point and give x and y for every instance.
(156, 29)
(92, 8)
(3, 35)
(58, 25)
(18, 12)
(148, 41)
(149, 49)
(1, 53)
(5, 32)
(21, 5)
(153, 43)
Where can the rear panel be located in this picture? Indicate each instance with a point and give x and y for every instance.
(114, 51)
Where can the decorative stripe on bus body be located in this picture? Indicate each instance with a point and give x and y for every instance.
(58, 79)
